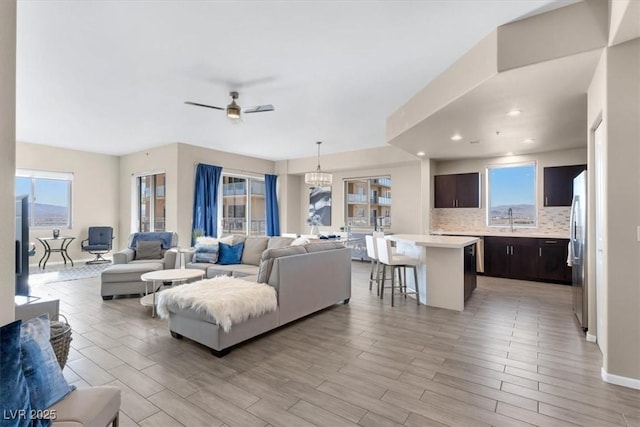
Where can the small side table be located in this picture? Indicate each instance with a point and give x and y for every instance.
(65, 241)
(172, 275)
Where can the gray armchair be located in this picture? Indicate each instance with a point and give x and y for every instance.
(168, 253)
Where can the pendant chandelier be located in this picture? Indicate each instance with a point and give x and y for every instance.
(318, 178)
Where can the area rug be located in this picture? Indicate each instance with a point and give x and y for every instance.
(64, 274)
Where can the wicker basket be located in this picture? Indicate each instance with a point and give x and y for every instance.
(61, 339)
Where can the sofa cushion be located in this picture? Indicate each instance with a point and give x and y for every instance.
(300, 241)
(322, 246)
(14, 392)
(230, 254)
(128, 272)
(40, 366)
(148, 249)
(253, 248)
(279, 242)
(266, 262)
(235, 270)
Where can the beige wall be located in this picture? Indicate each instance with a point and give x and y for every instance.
(596, 115)
(178, 161)
(7, 157)
(406, 193)
(623, 193)
(94, 195)
(154, 160)
(188, 157)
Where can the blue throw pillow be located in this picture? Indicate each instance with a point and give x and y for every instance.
(40, 366)
(14, 392)
(230, 254)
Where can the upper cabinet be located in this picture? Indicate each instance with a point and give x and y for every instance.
(558, 184)
(457, 190)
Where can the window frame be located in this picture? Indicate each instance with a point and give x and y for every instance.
(34, 175)
(348, 221)
(535, 193)
(248, 203)
(135, 200)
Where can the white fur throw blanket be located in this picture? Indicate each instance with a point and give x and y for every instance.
(227, 299)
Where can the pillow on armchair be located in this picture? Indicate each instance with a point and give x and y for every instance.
(149, 249)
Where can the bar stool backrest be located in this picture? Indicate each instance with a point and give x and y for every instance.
(372, 250)
(384, 251)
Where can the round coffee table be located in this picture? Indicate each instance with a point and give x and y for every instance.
(172, 275)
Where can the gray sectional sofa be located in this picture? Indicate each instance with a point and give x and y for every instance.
(307, 278)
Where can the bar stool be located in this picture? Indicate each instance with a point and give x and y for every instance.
(372, 252)
(388, 258)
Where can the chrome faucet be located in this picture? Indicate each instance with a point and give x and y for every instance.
(510, 214)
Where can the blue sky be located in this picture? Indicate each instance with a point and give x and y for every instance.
(512, 185)
(48, 191)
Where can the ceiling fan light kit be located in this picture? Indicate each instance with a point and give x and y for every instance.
(233, 110)
(318, 178)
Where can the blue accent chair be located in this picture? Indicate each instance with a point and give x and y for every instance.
(99, 242)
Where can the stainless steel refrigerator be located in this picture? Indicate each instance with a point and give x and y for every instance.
(578, 248)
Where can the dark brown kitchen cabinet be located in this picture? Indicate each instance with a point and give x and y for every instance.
(558, 184)
(512, 257)
(457, 190)
(470, 272)
(527, 258)
(552, 263)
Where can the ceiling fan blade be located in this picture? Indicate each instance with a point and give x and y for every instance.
(203, 105)
(258, 109)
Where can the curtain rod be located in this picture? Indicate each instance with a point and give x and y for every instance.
(237, 171)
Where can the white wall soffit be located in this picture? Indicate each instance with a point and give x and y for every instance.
(562, 32)
(625, 21)
(539, 41)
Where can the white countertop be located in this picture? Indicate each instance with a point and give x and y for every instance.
(497, 233)
(453, 242)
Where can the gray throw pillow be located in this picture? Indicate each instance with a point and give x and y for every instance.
(151, 249)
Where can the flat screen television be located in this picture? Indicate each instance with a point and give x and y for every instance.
(22, 245)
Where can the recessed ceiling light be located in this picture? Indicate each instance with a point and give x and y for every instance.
(456, 137)
(421, 153)
(510, 153)
(529, 140)
(514, 113)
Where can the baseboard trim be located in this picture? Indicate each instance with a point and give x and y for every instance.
(591, 338)
(619, 380)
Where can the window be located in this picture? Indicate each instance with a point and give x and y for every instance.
(368, 202)
(49, 197)
(151, 202)
(511, 195)
(243, 206)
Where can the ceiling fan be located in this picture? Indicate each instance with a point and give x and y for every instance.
(233, 110)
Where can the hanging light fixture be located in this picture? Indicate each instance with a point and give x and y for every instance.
(318, 178)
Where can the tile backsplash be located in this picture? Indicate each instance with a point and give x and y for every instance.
(551, 220)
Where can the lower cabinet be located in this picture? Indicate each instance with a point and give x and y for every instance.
(470, 271)
(527, 258)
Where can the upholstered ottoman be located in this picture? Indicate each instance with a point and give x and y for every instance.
(124, 279)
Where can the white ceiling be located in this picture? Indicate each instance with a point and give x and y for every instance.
(551, 97)
(112, 76)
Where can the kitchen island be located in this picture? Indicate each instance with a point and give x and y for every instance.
(447, 268)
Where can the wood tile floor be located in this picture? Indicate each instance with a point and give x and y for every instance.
(514, 357)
